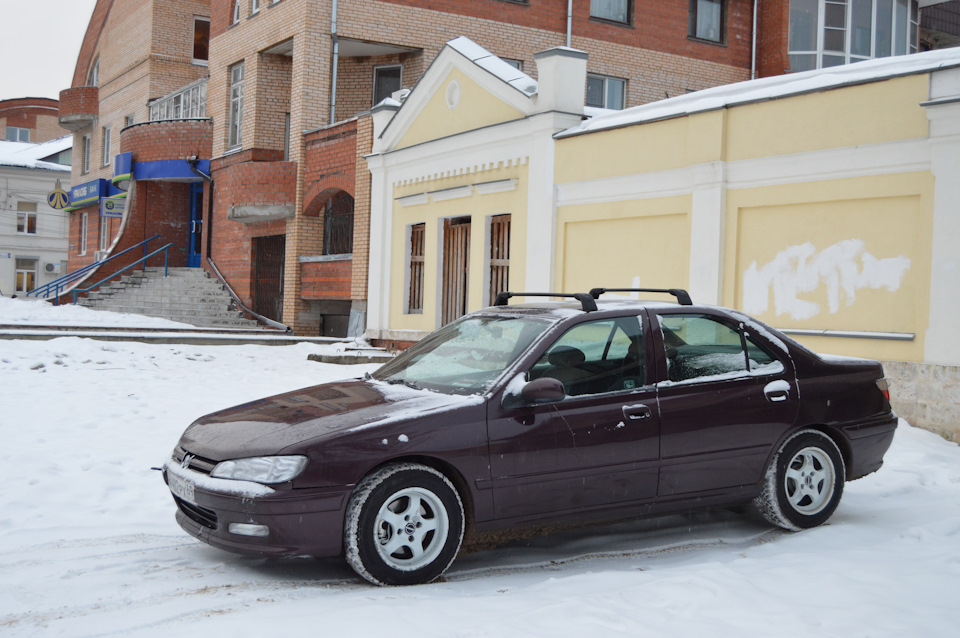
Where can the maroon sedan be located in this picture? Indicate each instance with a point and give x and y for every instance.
(550, 413)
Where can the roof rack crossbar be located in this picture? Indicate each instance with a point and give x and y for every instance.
(683, 298)
(586, 301)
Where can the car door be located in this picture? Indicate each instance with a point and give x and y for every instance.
(596, 447)
(725, 395)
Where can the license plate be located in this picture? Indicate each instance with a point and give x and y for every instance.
(181, 488)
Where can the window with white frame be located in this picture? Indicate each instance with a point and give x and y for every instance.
(129, 120)
(105, 153)
(85, 160)
(236, 11)
(201, 40)
(517, 64)
(386, 80)
(613, 10)
(26, 268)
(826, 33)
(104, 232)
(18, 134)
(187, 102)
(254, 6)
(83, 235)
(707, 20)
(605, 92)
(235, 123)
(27, 218)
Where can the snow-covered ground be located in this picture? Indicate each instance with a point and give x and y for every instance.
(89, 546)
(38, 312)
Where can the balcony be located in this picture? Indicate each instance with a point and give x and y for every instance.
(79, 107)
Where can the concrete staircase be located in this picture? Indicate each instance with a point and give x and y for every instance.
(189, 295)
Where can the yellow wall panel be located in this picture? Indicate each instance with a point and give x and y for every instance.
(865, 114)
(627, 244)
(475, 108)
(847, 255)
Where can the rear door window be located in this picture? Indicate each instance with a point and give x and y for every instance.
(699, 347)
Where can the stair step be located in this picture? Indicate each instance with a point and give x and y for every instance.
(188, 295)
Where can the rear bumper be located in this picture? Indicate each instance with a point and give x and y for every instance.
(869, 441)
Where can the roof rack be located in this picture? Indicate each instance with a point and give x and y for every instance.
(586, 301)
(683, 298)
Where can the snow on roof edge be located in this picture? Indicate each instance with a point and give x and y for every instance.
(770, 88)
(30, 154)
(494, 65)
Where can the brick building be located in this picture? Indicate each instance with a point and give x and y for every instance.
(136, 57)
(259, 111)
(30, 119)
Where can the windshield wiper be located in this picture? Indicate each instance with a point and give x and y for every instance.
(409, 384)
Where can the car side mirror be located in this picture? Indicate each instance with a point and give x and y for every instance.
(538, 391)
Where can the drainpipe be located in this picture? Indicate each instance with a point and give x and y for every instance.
(753, 50)
(333, 64)
(569, 21)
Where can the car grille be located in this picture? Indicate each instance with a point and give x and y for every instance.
(197, 514)
(197, 463)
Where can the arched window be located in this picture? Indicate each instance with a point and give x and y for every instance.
(338, 225)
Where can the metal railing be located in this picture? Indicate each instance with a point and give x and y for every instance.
(59, 286)
(166, 253)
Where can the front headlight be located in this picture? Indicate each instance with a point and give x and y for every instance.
(261, 469)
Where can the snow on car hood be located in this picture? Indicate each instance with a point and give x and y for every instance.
(267, 426)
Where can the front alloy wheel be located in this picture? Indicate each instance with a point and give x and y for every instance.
(404, 525)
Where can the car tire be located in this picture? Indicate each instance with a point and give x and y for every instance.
(404, 525)
(804, 482)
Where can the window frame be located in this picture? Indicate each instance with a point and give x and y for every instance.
(416, 267)
(376, 70)
(86, 149)
(236, 13)
(628, 10)
(106, 138)
(200, 61)
(27, 272)
(84, 223)
(254, 7)
(104, 232)
(18, 131)
(235, 108)
(694, 20)
(606, 79)
(24, 213)
(899, 43)
(333, 236)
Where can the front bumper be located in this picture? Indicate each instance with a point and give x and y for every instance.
(303, 522)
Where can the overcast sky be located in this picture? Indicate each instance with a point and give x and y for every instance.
(39, 45)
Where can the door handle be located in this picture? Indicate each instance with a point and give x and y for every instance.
(777, 391)
(638, 411)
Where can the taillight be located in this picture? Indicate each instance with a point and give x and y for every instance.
(884, 388)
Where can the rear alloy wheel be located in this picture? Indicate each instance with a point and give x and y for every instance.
(404, 525)
(804, 482)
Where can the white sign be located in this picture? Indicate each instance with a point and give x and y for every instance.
(113, 206)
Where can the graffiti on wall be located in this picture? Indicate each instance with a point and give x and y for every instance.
(844, 268)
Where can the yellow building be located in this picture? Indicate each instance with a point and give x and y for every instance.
(824, 203)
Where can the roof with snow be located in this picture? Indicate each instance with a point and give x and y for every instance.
(491, 63)
(28, 155)
(771, 88)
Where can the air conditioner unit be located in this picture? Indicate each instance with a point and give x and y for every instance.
(52, 269)
(99, 255)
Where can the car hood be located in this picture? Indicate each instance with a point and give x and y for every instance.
(269, 426)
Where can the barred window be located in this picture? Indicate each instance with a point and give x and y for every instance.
(415, 289)
(338, 225)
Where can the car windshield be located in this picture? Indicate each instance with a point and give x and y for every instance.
(466, 356)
